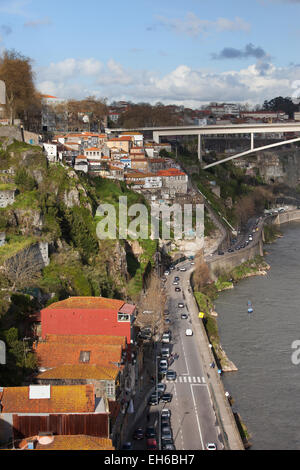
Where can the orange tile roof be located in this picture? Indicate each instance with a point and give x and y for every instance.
(63, 399)
(88, 302)
(56, 354)
(77, 442)
(87, 339)
(170, 172)
(92, 148)
(81, 372)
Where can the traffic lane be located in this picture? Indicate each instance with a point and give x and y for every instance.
(194, 422)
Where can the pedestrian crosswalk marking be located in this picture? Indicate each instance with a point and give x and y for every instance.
(189, 379)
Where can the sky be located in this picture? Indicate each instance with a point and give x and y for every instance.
(186, 52)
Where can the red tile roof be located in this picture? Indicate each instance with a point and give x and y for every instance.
(81, 372)
(170, 172)
(77, 442)
(88, 302)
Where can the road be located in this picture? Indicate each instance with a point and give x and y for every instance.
(193, 420)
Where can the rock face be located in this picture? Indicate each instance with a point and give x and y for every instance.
(282, 166)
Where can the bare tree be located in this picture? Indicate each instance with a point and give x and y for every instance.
(201, 275)
(154, 301)
(24, 268)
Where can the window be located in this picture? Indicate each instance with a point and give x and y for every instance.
(123, 317)
(110, 389)
(84, 356)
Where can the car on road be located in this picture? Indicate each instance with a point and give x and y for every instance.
(166, 312)
(166, 338)
(166, 433)
(160, 388)
(150, 431)
(230, 250)
(182, 268)
(180, 305)
(172, 268)
(165, 352)
(166, 397)
(211, 446)
(188, 332)
(184, 316)
(152, 444)
(148, 312)
(171, 375)
(127, 446)
(165, 413)
(154, 399)
(138, 434)
(175, 283)
(167, 444)
(177, 289)
(166, 273)
(165, 421)
(176, 278)
(163, 363)
(163, 370)
(167, 321)
(220, 253)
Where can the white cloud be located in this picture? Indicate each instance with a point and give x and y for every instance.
(183, 85)
(193, 26)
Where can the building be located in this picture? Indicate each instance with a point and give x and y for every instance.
(174, 180)
(122, 143)
(51, 152)
(89, 316)
(48, 441)
(62, 410)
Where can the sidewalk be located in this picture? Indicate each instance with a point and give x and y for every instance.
(228, 427)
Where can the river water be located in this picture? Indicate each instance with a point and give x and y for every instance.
(266, 388)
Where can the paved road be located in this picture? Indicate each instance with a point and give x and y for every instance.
(192, 417)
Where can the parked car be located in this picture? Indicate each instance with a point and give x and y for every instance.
(166, 433)
(176, 278)
(184, 316)
(154, 399)
(165, 352)
(165, 413)
(152, 444)
(166, 273)
(177, 289)
(171, 375)
(160, 388)
(148, 312)
(182, 268)
(150, 431)
(166, 397)
(127, 446)
(167, 321)
(166, 338)
(175, 283)
(163, 363)
(138, 434)
(180, 305)
(167, 444)
(220, 253)
(165, 421)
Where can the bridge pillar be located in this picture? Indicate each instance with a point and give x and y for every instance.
(199, 148)
(252, 141)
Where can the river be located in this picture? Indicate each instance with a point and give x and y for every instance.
(266, 388)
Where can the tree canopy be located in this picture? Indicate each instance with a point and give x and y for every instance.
(22, 99)
(281, 104)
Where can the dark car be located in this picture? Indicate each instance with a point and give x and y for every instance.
(176, 278)
(127, 446)
(167, 321)
(231, 250)
(171, 375)
(150, 431)
(154, 399)
(166, 432)
(168, 447)
(220, 252)
(138, 434)
(177, 289)
(165, 421)
(184, 316)
(166, 397)
(167, 442)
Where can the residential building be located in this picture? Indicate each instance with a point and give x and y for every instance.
(89, 316)
(62, 410)
(174, 180)
(51, 152)
(81, 164)
(122, 143)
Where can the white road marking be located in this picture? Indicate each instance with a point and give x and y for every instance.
(197, 417)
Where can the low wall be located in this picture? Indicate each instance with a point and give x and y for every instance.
(225, 263)
(288, 216)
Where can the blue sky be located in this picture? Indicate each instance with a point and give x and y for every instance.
(186, 52)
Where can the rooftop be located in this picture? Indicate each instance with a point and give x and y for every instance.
(63, 399)
(88, 302)
(81, 372)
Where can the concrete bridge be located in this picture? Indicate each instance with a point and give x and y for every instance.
(230, 129)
